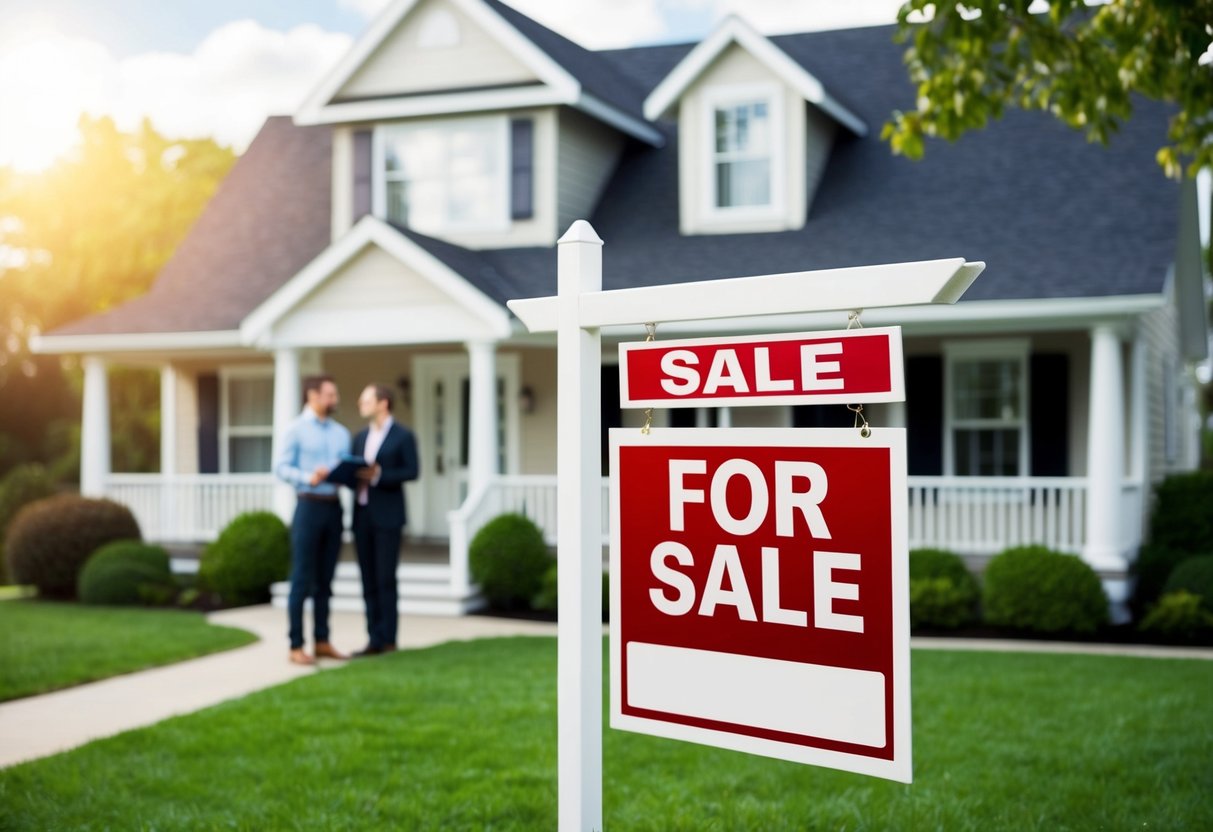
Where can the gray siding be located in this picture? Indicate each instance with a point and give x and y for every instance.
(587, 153)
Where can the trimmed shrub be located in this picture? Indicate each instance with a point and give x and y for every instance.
(509, 560)
(49, 540)
(943, 592)
(1179, 615)
(127, 572)
(1194, 575)
(1181, 525)
(20, 487)
(545, 599)
(1034, 588)
(253, 552)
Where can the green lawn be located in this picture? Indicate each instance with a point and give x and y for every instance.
(462, 736)
(47, 646)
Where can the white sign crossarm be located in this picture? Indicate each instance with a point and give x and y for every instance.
(860, 287)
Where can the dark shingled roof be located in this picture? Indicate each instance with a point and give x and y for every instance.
(269, 218)
(1052, 215)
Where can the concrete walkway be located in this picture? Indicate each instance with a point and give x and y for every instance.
(42, 725)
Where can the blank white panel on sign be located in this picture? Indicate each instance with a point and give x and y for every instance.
(834, 703)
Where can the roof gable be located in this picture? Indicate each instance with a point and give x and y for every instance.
(352, 283)
(735, 31)
(560, 72)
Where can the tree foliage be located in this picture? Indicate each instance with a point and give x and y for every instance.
(77, 238)
(1083, 64)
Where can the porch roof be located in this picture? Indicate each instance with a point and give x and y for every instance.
(1052, 216)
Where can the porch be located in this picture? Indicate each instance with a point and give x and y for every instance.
(974, 516)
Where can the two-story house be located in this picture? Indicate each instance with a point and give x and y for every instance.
(378, 233)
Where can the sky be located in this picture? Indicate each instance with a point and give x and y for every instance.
(218, 68)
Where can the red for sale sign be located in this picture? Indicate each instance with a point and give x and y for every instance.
(838, 367)
(759, 596)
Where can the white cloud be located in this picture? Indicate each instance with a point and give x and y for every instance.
(776, 16)
(366, 8)
(225, 88)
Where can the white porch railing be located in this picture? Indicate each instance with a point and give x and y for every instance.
(968, 515)
(189, 507)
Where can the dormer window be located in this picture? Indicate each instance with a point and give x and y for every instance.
(746, 156)
(444, 176)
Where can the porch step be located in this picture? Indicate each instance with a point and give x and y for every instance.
(425, 589)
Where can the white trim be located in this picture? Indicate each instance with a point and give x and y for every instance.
(735, 30)
(732, 95)
(434, 105)
(134, 342)
(1016, 349)
(496, 126)
(226, 431)
(257, 329)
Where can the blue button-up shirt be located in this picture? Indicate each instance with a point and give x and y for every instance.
(309, 443)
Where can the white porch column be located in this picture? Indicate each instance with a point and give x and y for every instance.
(1105, 451)
(95, 428)
(287, 404)
(168, 419)
(482, 414)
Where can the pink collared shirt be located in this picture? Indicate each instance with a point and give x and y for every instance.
(374, 441)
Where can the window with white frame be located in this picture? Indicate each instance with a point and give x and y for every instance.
(986, 422)
(246, 420)
(746, 123)
(442, 176)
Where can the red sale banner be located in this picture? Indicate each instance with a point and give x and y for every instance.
(840, 367)
(759, 595)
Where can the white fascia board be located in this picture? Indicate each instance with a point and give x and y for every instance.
(735, 30)
(134, 342)
(319, 108)
(620, 120)
(258, 326)
(985, 317)
(431, 105)
(859, 287)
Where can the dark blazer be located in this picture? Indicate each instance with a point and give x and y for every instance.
(397, 460)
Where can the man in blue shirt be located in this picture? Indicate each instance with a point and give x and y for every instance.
(312, 447)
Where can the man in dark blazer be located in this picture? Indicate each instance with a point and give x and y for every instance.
(379, 511)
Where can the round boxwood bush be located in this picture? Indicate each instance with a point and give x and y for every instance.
(1181, 526)
(509, 559)
(49, 540)
(943, 592)
(127, 572)
(1037, 589)
(1194, 575)
(253, 552)
(1179, 615)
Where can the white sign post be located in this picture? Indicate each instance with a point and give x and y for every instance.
(576, 314)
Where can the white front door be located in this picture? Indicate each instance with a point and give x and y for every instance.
(440, 406)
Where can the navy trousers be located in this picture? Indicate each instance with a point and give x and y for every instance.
(315, 546)
(378, 554)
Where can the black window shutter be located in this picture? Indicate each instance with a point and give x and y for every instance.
(1049, 415)
(924, 415)
(362, 174)
(612, 416)
(522, 168)
(208, 424)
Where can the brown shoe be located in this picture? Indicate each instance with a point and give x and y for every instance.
(299, 656)
(328, 651)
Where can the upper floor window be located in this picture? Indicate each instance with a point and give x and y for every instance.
(987, 409)
(444, 176)
(745, 156)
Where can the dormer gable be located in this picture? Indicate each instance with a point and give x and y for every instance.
(755, 131)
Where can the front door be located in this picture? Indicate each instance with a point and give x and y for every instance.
(440, 404)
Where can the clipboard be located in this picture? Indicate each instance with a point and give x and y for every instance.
(346, 471)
